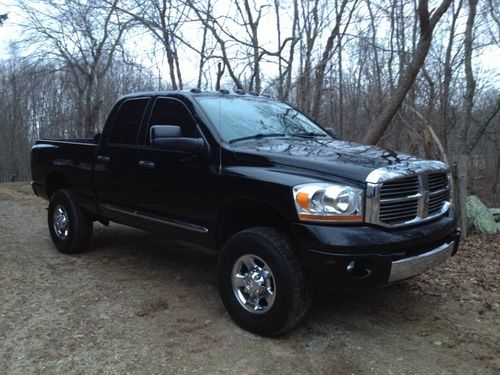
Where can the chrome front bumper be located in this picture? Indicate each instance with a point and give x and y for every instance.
(413, 266)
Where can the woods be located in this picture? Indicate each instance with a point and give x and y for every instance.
(414, 75)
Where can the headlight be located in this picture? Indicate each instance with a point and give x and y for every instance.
(328, 202)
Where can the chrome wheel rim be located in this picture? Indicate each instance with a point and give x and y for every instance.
(253, 284)
(60, 222)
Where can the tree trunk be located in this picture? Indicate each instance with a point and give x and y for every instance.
(460, 166)
(460, 190)
(327, 53)
(447, 76)
(427, 25)
(288, 71)
(470, 82)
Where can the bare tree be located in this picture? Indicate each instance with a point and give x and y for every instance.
(327, 54)
(203, 52)
(251, 23)
(466, 142)
(427, 24)
(448, 68)
(210, 22)
(163, 19)
(311, 23)
(84, 39)
(287, 74)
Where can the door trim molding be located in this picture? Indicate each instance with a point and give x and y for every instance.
(142, 215)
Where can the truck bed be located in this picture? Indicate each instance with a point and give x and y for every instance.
(71, 159)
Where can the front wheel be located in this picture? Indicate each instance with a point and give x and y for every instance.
(69, 225)
(261, 282)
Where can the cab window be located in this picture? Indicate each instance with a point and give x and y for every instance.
(127, 122)
(172, 112)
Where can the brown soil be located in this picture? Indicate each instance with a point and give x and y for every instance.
(137, 303)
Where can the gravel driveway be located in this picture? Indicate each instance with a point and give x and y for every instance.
(137, 303)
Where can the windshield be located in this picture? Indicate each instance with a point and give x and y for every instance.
(240, 118)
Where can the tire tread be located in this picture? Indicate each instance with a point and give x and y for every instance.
(301, 291)
(82, 226)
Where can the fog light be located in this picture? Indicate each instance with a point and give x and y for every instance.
(358, 269)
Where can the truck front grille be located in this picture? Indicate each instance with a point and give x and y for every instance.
(439, 192)
(408, 200)
(396, 212)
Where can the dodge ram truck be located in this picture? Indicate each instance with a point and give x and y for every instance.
(284, 203)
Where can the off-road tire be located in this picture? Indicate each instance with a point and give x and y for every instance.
(293, 290)
(80, 225)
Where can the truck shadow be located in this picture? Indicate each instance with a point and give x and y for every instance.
(152, 257)
(150, 254)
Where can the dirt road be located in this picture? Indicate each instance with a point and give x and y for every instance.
(137, 303)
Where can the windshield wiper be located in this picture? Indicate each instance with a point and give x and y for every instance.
(257, 136)
(308, 134)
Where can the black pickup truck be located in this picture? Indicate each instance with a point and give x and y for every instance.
(285, 203)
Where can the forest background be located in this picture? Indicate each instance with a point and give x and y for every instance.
(412, 75)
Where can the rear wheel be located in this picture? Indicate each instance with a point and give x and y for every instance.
(261, 283)
(69, 225)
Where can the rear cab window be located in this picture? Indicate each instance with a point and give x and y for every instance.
(127, 122)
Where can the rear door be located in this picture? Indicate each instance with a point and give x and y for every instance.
(116, 160)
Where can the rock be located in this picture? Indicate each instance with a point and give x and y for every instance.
(480, 216)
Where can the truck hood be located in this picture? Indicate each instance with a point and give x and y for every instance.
(349, 160)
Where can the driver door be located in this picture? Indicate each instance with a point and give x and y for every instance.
(174, 186)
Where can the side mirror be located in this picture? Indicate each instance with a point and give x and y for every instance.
(169, 137)
(97, 138)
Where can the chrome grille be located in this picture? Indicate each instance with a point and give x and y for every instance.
(395, 212)
(436, 202)
(399, 200)
(439, 192)
(407, 200)
(438, 181)
(399, 188)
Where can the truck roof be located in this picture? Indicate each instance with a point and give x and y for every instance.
(196, 92)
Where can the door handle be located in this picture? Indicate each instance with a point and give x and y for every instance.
(146, 164)
(103, 158)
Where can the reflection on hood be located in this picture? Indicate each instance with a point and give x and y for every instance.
(332, 156)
